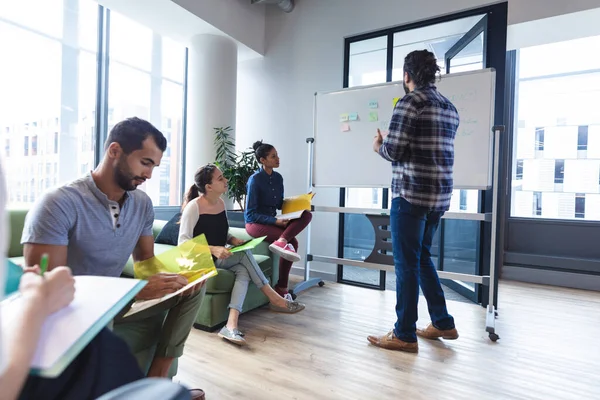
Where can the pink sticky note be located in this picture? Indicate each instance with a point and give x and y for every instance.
(345, 127)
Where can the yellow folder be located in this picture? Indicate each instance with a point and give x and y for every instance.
(191, 259)
(297, 203)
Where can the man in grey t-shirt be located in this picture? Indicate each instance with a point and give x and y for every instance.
(95, 223)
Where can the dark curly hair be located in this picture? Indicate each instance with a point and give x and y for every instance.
(422, 67)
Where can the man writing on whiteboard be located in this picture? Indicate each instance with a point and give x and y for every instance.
(420, 146)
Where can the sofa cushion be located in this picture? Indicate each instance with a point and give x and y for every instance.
(170, 232)
(16, 220)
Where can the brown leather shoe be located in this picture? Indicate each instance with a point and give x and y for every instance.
(391, 342)
(431, 332)
(197, 394)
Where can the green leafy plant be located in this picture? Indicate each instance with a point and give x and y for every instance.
(237, 168)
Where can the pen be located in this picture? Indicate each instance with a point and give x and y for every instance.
(43, 264)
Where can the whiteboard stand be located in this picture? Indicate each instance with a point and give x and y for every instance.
(308, 282)
(490, 319)
(488, 280)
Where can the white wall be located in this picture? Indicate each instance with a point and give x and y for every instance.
(237, 18)
(304, 54)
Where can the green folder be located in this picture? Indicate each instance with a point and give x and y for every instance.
(249, 245)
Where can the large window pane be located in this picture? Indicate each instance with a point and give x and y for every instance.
(130, 42)
(368, 63)
(43, 16)
(146, 81)
(556, 167)
(48, 94)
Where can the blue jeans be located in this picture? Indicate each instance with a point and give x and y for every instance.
(413, 229)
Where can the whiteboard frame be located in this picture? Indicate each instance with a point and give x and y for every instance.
(388, 186)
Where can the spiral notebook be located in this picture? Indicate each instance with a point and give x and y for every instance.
(67, 332)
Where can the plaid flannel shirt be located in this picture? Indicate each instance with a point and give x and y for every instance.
(420, 145)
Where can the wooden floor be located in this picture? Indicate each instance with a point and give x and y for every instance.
(549, 348)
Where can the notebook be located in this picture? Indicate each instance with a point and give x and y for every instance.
(141, 305)
(66, 333)
(292, 215)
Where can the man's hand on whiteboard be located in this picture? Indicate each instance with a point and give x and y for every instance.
(377, 141)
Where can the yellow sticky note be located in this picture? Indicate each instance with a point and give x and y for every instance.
(345, 127)
(344, 117)
(396, 99)
(373, 116)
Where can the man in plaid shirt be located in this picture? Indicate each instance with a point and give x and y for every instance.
(420, 146)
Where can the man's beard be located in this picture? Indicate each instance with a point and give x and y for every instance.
(124, 178)
(406, 89)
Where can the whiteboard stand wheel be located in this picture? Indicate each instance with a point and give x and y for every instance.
(494, 337)
(321, 284)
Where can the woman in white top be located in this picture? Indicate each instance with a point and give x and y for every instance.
(204, 213)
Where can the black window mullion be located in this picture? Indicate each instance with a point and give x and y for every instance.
(390, 57)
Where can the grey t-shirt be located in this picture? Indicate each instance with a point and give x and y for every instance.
(99, 234)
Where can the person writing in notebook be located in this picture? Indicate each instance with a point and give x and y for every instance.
(420, 146)
(264, 197)
(203, 212)
(97, 222)
(103, 365)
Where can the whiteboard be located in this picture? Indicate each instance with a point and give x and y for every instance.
(346, 122)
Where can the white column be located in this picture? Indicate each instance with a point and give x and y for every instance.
(212, 88)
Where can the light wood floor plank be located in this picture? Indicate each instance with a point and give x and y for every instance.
(549, 349)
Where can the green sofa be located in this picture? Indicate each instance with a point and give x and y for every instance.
(212, 314)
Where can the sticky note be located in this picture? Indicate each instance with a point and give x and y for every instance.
(396, 99)
(373, 116)
(343, 117)
(353, 116)
(373, 104)
(345, 127)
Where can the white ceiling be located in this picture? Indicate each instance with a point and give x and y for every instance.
(169, 19)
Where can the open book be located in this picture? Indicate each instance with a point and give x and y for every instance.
(98, 299)
(141, 305)
(292, 215)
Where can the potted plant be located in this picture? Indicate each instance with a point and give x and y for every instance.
(236, 167)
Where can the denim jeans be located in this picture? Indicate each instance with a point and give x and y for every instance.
(413, 228)
(246, 269)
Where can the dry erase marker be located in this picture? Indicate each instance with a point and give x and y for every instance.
(44, 264)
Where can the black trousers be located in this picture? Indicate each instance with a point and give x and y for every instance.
(105, 364)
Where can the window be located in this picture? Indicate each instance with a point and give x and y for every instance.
(48, 99)
(146, 81)
(47, 90)
(367, 66)
(556, 167)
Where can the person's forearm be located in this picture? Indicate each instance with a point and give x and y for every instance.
(22, 347)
